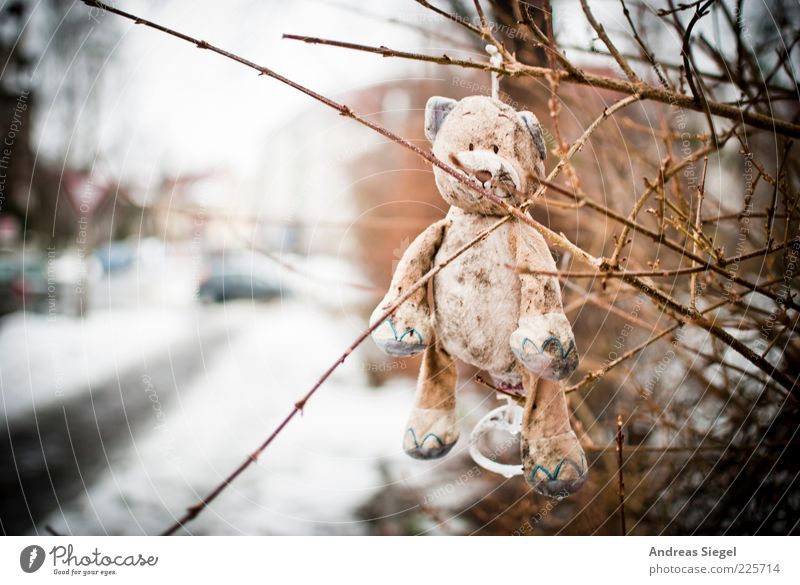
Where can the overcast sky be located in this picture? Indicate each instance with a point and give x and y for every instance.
(163, 104)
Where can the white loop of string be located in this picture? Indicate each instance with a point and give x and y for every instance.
(496, 60)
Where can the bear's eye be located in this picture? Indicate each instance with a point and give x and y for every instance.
(496, 149)
(471, 146)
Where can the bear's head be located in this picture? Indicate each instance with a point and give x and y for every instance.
(489, 141)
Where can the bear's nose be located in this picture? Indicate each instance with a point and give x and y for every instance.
(483, 176)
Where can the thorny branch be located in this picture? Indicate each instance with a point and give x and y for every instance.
(645, 91)
(621, 476)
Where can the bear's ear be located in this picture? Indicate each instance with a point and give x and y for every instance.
(532, 123)
(436, 111)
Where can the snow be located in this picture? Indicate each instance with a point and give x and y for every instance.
(320, 469)
(317, 474)
(49, 358)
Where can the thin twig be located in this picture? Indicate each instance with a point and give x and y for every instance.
(620, 477)
(597, 374)
(484, 382)
(601, 32)
(648, 54)
(686, 54)
(715, 77)
(547, 40)
(699, 448)
(457, 19)
(486, 32)
(698, 226)
(645, 91)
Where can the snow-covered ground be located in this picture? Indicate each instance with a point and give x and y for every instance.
(313, 477)
(323, 467)
(210, 382)
(45, 360)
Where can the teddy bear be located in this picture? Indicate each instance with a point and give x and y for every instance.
(506, 322)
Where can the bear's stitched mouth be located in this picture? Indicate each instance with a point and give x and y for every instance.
(492, 172)
(501, 185)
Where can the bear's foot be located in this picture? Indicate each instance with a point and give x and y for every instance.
(554, 466)
(400, 337)
(430, 433)
(544, 344)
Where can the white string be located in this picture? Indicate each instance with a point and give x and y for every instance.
(496, 60)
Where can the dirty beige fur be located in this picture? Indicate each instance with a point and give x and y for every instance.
(409, 330)
(512, 326)
(432, 428)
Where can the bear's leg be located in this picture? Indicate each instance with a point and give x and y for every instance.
(552, 458)
(432, 428)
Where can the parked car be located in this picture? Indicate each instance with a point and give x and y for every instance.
(9, 272)
(23, 283)
(39, 283)
(239, 275)
(116, 256)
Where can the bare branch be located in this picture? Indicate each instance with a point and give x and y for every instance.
(601, 32)
(645, 91)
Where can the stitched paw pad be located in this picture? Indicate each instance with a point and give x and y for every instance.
(545, 346)
(554, 466)
(430, 433)
(404, 334)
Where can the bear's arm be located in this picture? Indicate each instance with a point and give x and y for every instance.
(409, 330)
(543, 341)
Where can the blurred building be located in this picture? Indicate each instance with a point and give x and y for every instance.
(333, 186)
